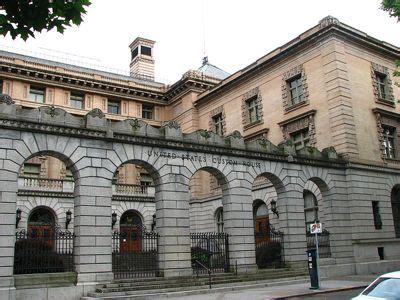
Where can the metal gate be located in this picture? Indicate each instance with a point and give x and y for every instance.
(48, 251)
(135, 253)
(209, 250)
(269, 247)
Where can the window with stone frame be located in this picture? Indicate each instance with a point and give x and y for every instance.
(148, 112)
(36, 94)
(388, 143)
(217, 122)
(382, 84)
(252, 108)
(377, 215)
(294, 88)
(113, 107)
(77, 101)
(32, 170)
(388, 124)
(300, 129)
(301, 138)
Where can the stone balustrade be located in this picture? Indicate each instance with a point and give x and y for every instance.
(45, 184)
(133, 190)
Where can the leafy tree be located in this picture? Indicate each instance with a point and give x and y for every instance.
(26, 17)
(393, 7)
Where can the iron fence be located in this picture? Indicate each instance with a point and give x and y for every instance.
(44, 253)
(324, 247)
(211, 250)
(135, 253)
(269, 248)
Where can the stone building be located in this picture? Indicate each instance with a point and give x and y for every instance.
(307, 132)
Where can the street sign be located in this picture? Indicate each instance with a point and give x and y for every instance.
(316, 228)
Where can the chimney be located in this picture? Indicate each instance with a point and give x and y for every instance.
(142, 61)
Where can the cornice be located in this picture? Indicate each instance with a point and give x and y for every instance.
(307, 39)
(297, 117)
(45, 194)
(384, 112)
(28, 73)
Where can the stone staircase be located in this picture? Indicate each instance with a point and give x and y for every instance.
(153, 288)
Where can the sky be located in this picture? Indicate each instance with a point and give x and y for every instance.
(233, 33)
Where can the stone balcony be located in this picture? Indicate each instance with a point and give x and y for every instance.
(45, 185)
(132, 192)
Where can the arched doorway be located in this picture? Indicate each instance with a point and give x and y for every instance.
(261, 222)
(131, 228)
(395, 200)
(41, 225)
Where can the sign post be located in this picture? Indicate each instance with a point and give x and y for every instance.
(316, 228)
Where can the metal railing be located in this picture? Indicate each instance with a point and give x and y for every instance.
(324, 247)
(48, 251)
(211, 250)
(269, 248)
(135, 253)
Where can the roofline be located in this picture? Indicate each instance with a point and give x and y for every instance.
(326, 25)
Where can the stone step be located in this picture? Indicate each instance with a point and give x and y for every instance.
(194, 284)
(195, 281)
(150, 295)
(136, 288)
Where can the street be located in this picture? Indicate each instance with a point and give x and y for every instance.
(332, 296)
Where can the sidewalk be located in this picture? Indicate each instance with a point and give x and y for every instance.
(281, 290)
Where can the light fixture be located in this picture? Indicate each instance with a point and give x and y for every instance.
(113, 219)
(274, 209)
(153, 224)
(18, 217)
(68, 218)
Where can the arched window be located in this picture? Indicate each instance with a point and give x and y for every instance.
(130, 218)
(219, 218)
(396, 210)
(310, 208)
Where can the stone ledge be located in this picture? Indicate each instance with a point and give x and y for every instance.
(45, 280)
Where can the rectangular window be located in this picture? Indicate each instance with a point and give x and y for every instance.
(36, 94)
(145, 179)
(296, 90)
(31, 170)
(76, 101)
(377, 215)
(134, 52)
(218, 124)
(146, 51)
(252, 109)
(148, 112)
(389, 137)
(381, 80)
(300, 138)
(113, 107)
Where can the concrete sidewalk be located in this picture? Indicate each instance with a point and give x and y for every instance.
(279, 291)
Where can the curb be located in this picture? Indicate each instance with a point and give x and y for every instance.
(319, 292)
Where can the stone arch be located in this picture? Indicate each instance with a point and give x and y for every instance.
(145, 210)
(57, 207)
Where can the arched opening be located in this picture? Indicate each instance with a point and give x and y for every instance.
(395, 201)
(208, 239)
(45, 210)
(313, 196)
(268, 239)
(134, 240)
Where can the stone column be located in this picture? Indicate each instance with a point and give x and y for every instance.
(172, 206)
(238, 223)
(290, 206)
(92, 226)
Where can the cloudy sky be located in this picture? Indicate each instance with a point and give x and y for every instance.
(234, 32)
